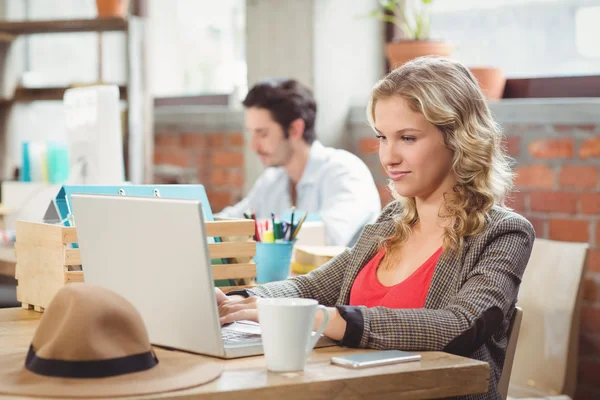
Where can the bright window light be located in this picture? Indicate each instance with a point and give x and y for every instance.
(587, 31)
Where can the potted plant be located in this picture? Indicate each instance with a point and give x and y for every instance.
(411, 18)
(112, 8)
(491, 80)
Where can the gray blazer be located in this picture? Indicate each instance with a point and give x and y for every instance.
(468, 307)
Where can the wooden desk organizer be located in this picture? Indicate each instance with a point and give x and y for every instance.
(46, 262)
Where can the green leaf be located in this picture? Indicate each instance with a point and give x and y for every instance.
(382, 16)
(422, 27)
(426, 1)
(406, 29)
(387, 4)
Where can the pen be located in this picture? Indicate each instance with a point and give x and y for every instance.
(273, 220)
(278, 232)
(286, 228)
(292, 222)
(256, 232)
(298, 227)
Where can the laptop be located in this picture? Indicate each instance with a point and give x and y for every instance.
(153, 251)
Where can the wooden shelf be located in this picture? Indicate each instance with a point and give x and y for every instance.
(62, 26)
(26, 95)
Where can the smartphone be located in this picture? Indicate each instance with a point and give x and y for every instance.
(374, 359)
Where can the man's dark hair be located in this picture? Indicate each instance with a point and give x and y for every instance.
(287, 100)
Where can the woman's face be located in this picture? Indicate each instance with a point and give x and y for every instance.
(412, 150)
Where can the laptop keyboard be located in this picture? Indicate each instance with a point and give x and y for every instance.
(235, 337)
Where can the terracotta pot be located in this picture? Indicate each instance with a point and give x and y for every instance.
(112, 8)
(491, 81)
(405, 50)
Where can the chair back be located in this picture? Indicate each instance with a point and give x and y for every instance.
(545, 359)
(513, 336)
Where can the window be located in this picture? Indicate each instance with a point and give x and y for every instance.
(526, 38)
(588, 31)
(62, 59)
(197, 47)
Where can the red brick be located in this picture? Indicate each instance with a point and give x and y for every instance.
(597, 232)
(590, 319)
(236, 139)
(589, 371)
(564, 202)
(579, 176)
(203, 175)
(195, 140)
(368, 145)
(571, 128)
(219, 177)
(569, 230)
(217, 140)
(590, 203)
(227, 159)
(167, 141)
(552, 148)
(539, 225)
(593, 260)
(236, 178)
(516, 201)
(540, 176)
(179, 158)
(231, 178)
(590, 148)
(219, 200)
(591, 290)
(512, 145)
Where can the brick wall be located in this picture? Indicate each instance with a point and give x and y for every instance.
(558, 182)
(214, 159)
(558, 190)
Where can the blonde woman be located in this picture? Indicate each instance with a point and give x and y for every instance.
(441, 267)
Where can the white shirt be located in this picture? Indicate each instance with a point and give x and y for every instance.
(336, 185)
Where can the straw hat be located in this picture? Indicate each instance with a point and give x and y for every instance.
(91, 342)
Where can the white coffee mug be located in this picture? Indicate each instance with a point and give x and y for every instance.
(287, 331)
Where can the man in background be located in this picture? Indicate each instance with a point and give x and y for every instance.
(333, 184)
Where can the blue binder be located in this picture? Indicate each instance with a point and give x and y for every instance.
(191, 192)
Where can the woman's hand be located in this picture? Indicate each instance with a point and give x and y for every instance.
(236, 308)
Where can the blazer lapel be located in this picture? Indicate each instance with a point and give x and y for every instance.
(364, 250)
(448, 269)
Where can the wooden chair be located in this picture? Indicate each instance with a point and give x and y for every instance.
(513, 336)
(545, 362)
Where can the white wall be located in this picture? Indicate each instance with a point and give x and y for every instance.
(348, 60)
(279, 39)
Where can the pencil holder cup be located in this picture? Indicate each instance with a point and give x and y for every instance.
(273, 261)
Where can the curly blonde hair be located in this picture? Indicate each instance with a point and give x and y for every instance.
(448, 95)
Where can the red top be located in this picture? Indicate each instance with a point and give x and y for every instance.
(410, 293)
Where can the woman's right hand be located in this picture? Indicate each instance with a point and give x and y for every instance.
(236, 308)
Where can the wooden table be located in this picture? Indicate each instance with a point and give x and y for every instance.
(436, 375)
